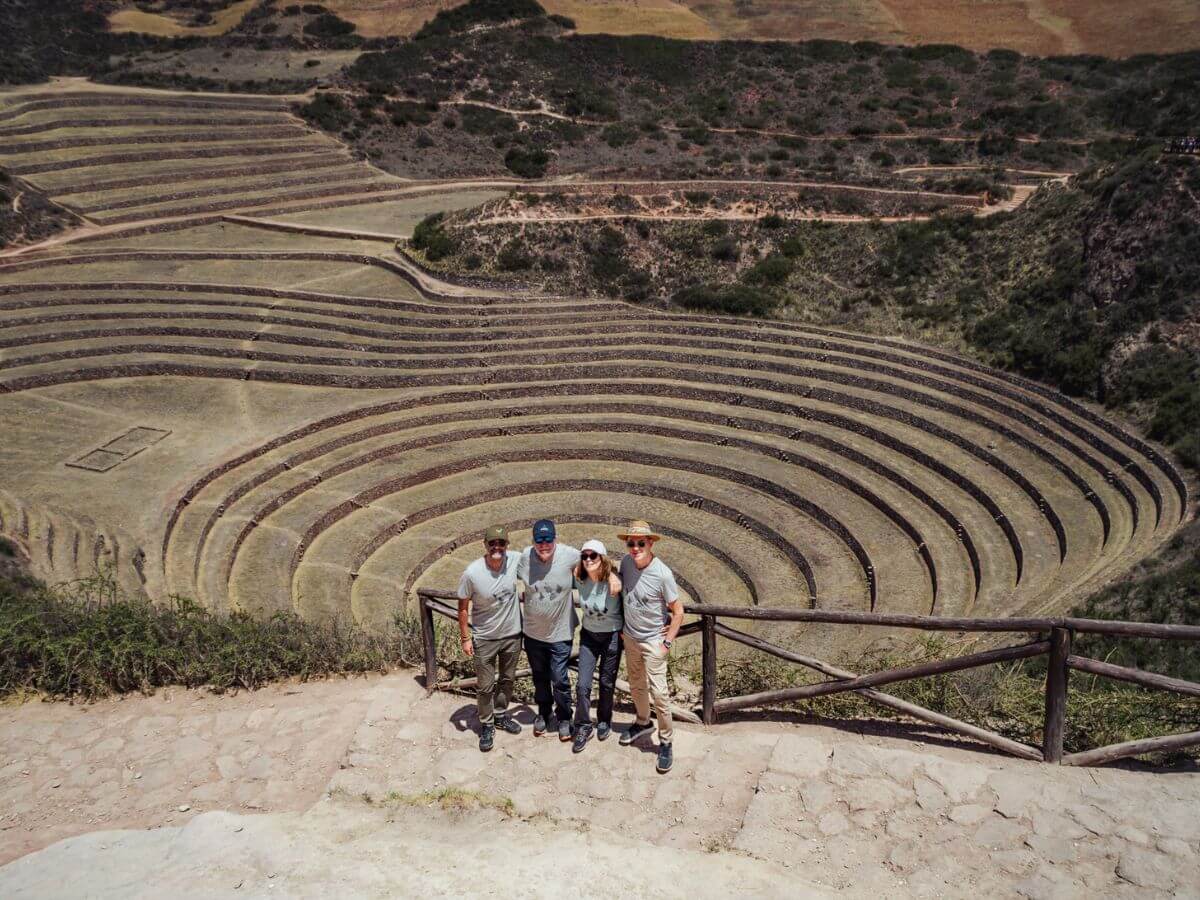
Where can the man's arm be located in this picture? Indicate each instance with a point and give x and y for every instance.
(464, 627)
(676, 608)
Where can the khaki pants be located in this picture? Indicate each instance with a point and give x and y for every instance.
(496, 668)
(646, 665)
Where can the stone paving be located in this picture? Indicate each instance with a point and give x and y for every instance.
(149, 761)
(861, 813)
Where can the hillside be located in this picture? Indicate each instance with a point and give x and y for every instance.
(1090, 286)
(1044, 27)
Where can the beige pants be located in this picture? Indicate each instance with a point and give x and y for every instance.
(646, 665)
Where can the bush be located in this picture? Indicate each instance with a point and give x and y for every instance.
(430, 238)
(725, 250)
(735, 299)
(771, 271)
(327, 111)
(476, 12)
(527, 163)
(327, 25)
(87, 640)
(514, 257)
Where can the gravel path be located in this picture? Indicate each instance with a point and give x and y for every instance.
(336, 766)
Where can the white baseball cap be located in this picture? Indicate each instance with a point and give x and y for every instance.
(595, 546)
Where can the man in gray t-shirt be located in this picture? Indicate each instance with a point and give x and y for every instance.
(547, 568)
(653, 616)
(489, 625)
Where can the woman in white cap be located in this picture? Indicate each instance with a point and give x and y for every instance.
(599, 640)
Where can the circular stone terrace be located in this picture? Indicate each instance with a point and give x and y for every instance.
(270, 419)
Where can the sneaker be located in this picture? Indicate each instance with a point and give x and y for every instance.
(583, 734)
(509, 724)
(665, 758)
(635, 731)
(539, 726)
(487, 737)
(603, 730)
(565, 730)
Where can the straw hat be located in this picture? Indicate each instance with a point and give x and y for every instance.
(639, 529)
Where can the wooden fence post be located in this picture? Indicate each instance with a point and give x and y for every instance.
(709, 662)
(1057, 674)
(429, 641)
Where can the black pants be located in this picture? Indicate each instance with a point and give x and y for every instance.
(601, 651)
(551, 681)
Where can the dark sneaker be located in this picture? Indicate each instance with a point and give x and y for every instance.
(603, 730)
(564, 731)
(487, 737)
(583, 734)
(665, 758)
(635, 731)
(509, 724)
(539, 726)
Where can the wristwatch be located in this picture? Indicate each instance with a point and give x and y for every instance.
(666, 643)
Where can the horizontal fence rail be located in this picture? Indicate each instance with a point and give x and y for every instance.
(1056, 635)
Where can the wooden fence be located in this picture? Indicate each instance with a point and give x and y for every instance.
(1053, 637)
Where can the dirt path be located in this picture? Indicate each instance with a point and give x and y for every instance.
(887, 812)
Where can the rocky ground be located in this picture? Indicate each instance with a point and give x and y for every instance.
(327, 784)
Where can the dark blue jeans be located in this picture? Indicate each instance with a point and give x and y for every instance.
(597, 652)
(551, 683)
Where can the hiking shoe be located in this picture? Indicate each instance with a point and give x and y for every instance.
(665, 758)
(509, 724)
(635, 731)
(487, 737)
(564, 731)
(603, 730)
(583, 734)
(539, 726)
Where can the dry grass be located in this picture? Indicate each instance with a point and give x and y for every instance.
(165, 26)
(453, 799)
(376, 18)
(1042, 27)
(662, 17)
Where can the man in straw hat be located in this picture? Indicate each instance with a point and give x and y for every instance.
(653, 615)
(489, 624)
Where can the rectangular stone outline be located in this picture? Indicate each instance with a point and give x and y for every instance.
(111, 454)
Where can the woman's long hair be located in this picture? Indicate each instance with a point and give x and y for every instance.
(606, 568)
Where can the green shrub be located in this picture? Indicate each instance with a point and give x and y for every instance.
(87, 640)
(527, 163)
(327, 111)
(430, 238)
(734, 299)
(475, 12)
(514, 257)
(725, 250)
(328, 25)
(771, 271)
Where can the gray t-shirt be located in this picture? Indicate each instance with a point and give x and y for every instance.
(647, 592)
(549, 613)
(601, 608)
(495, 605)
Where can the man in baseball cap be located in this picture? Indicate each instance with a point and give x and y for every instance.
(548, 570)
(653, 616)
(489, 624)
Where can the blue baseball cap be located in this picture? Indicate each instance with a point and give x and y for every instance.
(543, 530)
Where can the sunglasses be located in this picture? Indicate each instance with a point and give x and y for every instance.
(496, 545)
(638, 544)
(589, 556)
(550, 541)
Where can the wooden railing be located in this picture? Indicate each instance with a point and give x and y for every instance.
(1054, 638)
